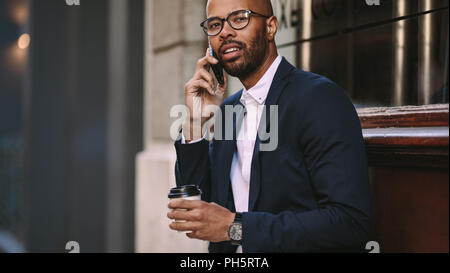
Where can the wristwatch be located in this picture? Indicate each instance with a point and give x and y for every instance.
(235, 230)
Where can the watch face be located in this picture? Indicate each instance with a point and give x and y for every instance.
(236, 232)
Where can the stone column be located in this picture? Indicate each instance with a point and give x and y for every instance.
(174, 42)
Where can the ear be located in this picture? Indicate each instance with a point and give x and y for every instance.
(272, 28)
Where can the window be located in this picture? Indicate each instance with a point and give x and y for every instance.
(393, 54)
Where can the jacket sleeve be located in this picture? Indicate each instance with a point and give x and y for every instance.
(193, 166)
(330, 135)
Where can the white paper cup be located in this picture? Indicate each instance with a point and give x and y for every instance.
(188, 192)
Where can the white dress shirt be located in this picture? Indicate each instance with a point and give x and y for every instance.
(253, 100)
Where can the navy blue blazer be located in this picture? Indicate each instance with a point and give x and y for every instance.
(311, 194)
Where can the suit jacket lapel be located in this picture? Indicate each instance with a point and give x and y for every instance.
(227, 152)
(276, 89)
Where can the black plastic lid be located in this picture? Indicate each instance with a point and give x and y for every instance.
(185, 191)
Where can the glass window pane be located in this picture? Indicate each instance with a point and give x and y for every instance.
(388, 55)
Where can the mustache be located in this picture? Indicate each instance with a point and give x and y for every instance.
(241, 44)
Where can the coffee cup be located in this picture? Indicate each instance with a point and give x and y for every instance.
(187, 192)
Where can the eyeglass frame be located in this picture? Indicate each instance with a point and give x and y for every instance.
(250, 12)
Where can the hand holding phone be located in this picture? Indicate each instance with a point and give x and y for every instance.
(201, 92)
(217, 68)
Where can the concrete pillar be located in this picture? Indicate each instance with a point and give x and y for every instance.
(174, 42)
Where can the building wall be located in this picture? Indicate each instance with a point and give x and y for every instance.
(174, 42)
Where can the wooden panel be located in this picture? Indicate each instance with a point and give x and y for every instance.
(408, 152)
(410, 209)
(408, 147)
(406, 116)
(420, 137)
(407, 157)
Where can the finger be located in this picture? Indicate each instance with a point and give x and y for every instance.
(211, 58)
(202, 84)
(185, 204)
(192, 235)
(184, 226)
(206, 61)
(205, 75)
(198, 85)
(196, 235)
(182, 215)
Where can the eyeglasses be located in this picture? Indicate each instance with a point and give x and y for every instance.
(237, 20)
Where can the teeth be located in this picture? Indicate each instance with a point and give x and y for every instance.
(231, 50)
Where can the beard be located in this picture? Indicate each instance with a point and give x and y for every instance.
(253, 57)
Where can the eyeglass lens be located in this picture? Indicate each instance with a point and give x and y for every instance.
(238, 20)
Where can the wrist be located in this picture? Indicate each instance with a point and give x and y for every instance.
(192, 130)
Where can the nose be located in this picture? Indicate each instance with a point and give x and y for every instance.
(227, 31)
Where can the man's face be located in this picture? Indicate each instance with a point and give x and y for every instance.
(251, 41)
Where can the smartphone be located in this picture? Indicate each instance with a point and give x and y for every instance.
(217, 68)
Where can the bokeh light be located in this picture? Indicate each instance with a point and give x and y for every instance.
(24, 41)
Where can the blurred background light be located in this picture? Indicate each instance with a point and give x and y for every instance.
(19, 12)
(24, 41)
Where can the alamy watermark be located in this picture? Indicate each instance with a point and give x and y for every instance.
(73, 247)
(227, 125)
(73, 2)
(373, 247)
(373, 2)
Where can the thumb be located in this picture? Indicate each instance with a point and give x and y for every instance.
(222, 89)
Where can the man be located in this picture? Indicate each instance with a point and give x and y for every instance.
(311, 193)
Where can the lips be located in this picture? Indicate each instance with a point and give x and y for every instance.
(230, 51)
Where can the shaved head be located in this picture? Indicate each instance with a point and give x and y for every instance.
(261, 6)
(266, 7)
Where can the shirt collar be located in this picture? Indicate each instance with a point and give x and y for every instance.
(260, 91)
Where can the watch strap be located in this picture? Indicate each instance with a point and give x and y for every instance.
(238, 217)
